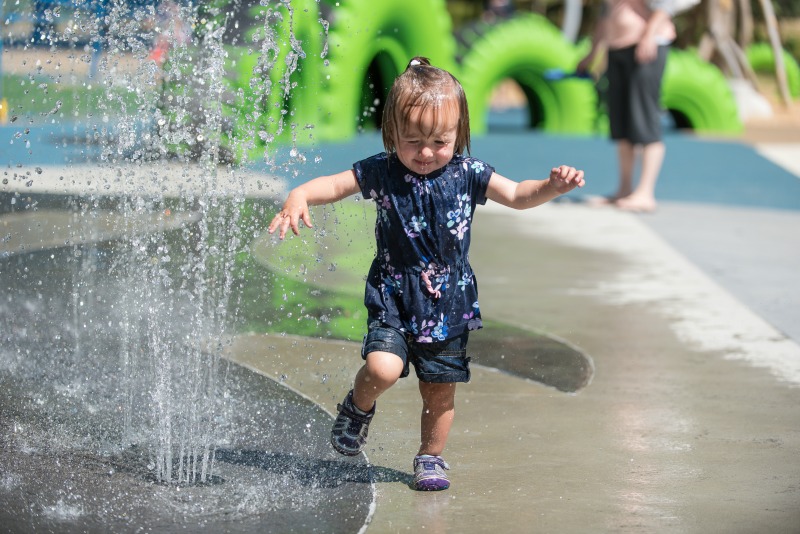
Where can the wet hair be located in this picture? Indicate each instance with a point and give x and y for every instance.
(425, 87)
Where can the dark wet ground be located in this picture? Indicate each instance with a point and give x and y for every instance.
(274, 473)
(77, 456)
(75, 459)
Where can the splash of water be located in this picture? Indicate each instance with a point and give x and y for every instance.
(168, 283)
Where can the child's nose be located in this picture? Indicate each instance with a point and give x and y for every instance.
(426, 152)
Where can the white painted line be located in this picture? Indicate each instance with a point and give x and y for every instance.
(156, 180)
(787, 155)
(700, 312)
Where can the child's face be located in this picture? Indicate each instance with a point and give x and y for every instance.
(427, 143)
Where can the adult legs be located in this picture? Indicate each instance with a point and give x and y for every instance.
(626, 158)
(645, 131)
(438, 412)
(643, 197)
(621, 64)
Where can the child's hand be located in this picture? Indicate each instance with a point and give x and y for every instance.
(564, 179)
(293, 211)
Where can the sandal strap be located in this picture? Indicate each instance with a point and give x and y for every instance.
(438, 460)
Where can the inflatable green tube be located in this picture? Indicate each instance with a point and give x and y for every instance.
(325, 84)
(333, 86)
(376, 38)
(698, 91)
(522, 49)
(762, 59)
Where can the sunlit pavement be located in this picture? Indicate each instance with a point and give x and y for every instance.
(690, 423)
(689, 314)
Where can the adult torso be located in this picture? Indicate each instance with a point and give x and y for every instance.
(626, 22)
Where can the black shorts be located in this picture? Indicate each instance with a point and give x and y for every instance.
(634, 96)
(436, 363)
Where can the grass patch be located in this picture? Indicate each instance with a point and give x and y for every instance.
(312, 285)
(34, 98)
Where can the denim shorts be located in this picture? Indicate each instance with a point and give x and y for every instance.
(439, 362)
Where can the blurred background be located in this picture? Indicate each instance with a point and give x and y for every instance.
(750, 44)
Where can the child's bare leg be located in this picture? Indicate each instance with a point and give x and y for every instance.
(438, 412)
(351, 427)
(643, 197)
(379, 373)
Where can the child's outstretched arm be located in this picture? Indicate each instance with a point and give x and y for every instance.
(322, 190)
(531, 193)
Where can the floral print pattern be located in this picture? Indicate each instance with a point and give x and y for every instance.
(421, 281)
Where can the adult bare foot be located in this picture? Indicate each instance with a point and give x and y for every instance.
(600, 201)
(636, 204)
(608, 200)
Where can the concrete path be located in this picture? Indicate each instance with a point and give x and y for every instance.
(690, 424)
(690, 316)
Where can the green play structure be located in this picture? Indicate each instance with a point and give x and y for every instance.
(328, 80)
(698, 95)
(522, 49)
(762, 59)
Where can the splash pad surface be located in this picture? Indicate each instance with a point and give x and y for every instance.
(77, 461)
(636, 448)
(75, 457)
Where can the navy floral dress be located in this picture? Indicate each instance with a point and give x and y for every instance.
(421, 281)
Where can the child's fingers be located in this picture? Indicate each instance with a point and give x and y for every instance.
(280, 222)
(569, 176)
(276, 221)
(307, 219)
(575, 178)
(579, 179)
(294, 221)
(285, 220)
(563, 172)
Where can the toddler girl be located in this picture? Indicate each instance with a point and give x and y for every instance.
(421, 294)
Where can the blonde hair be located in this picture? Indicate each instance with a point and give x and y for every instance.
(425, 87)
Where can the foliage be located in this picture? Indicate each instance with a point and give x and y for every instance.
(269, 302)
(783, 9)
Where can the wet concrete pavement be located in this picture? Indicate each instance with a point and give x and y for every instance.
(690, 314)
(690, 422)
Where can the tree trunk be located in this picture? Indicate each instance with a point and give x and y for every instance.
(745, 23)
(573, 12)
(720, 22)
(777, 50)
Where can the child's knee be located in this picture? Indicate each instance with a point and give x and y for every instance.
(383, 367)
